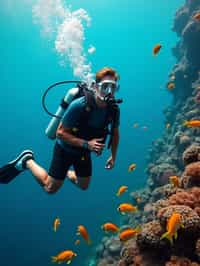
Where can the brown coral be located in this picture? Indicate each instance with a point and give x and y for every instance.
(191, 175)
(191, 154)
(149, 237)
(180, 261)
(197, 251)
(190, 218)
(131, 255)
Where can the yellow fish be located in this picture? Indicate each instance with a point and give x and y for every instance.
(173, 225)
(121, 190)
(56, 224)
(64, 256)
(168, 125)
(131, 167)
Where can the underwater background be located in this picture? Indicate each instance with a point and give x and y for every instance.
(123, 34)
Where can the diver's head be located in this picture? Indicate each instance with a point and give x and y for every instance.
(106, 83)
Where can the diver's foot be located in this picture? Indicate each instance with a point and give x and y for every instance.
(20, 161)
(72, 176)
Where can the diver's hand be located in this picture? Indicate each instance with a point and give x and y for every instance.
(110, 163)
(95, 145)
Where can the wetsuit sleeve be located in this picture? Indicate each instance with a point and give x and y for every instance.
(117, 120)
(72, 115)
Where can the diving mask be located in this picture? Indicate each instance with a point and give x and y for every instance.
(108, 87)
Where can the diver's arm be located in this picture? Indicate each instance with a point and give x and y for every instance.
(66, 135)
(115, 142)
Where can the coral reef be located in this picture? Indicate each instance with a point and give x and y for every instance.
(176, 152)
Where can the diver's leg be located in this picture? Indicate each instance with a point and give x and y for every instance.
(80, 181)
(52, 180)
(82, 171)
(49, 183)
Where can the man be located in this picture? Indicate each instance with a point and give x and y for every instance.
(81, 131)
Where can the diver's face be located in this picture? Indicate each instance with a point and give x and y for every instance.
(107, 86)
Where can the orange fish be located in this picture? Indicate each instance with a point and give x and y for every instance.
(129, 233)
(156, 49)
(196, 16)
(175, 180)
(110, 227)
(81, 230)
(121, 190)
(127, 208)
(56, 224)
(192, 123)
(64, 256)
(77, 242)
(131, 167)
(173, 224)
(170, 85)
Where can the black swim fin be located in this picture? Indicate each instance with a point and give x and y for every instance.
(8, 172)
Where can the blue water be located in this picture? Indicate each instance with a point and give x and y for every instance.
(124, 33)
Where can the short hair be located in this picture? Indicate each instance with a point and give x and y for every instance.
(106, 71)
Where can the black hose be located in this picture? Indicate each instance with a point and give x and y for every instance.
(48, 89)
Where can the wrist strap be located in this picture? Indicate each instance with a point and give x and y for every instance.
(85, 145)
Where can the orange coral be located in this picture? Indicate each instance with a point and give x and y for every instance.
(193, 169)
(190, 198)
(180, 261)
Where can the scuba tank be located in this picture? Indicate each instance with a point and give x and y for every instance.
(54, 122)
(66, 100)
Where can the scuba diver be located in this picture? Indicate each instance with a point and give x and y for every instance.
(87, 120)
